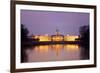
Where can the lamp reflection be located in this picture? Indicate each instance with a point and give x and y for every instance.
(57, 49)
(42, 48)
(71, 47)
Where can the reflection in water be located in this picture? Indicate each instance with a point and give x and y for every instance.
(41, 49)
(71, 47)
(57, 52)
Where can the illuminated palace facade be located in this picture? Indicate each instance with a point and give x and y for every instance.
(56, 37)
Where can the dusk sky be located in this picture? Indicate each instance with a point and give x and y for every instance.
(46, 22)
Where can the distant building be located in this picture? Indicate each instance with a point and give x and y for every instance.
(57, 37)
(71, 38)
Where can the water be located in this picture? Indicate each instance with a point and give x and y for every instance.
(57, 52)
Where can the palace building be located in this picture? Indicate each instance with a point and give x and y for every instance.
(57, 37)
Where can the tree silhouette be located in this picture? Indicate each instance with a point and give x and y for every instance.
(84, 35)
(24, 32)
(24, 38)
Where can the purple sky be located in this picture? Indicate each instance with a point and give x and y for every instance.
(46, 22)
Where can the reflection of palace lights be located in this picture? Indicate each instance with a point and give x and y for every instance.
(42, 49)
(71, 47)
(57, 48)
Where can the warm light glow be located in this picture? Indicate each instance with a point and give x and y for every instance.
(70, 38)
(36, 37)
(57, 38)
(46, 37)
(71, 47)
(42, 49)
(57, 48)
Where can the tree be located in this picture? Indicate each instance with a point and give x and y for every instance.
(24, 36)
(24, 32)
(84, 35)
